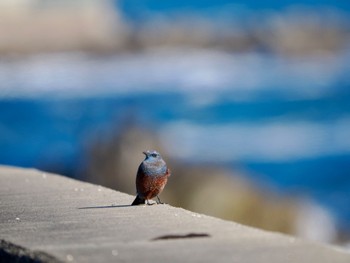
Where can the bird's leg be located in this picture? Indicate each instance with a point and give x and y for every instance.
(159, 202)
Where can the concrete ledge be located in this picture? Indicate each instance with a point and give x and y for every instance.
(72, 221)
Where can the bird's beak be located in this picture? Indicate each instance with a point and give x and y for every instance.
(145, 153)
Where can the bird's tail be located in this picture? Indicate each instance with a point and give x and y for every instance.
(139, 201)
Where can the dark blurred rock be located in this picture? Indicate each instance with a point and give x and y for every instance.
(292, 32)
(299, 32)
(193, 32)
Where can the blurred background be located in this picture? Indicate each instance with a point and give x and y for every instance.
(248, 102)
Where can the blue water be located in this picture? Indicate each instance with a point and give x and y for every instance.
(136, 10)
(52, 134)
(325, 179)
(288, 128)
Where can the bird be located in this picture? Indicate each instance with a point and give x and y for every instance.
(151, 178)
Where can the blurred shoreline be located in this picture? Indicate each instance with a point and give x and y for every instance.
(101, 27)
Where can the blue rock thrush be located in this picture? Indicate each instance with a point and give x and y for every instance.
(151, 178)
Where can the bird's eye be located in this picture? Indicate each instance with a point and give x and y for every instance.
(154, 155)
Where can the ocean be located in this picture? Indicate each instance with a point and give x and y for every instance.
(285, 121)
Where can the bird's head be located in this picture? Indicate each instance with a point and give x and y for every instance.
(152, 155)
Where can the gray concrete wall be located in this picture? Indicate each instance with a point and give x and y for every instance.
(51, 218)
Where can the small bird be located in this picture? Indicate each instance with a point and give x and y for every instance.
(151, 178)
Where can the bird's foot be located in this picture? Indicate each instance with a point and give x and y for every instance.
(160, 202)
(149, 203)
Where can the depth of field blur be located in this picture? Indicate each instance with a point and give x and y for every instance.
(249, 103)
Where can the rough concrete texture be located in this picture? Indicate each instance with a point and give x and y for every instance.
(73, 221)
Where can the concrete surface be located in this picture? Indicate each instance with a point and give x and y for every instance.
(58, 219)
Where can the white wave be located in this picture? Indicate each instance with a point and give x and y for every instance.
(264, 141)
(182, 70)
(321, 230)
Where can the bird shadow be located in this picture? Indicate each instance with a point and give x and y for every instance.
(106, 206)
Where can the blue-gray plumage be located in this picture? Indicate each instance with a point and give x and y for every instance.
(151, 178)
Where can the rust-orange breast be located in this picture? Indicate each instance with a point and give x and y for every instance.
(149, 187)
